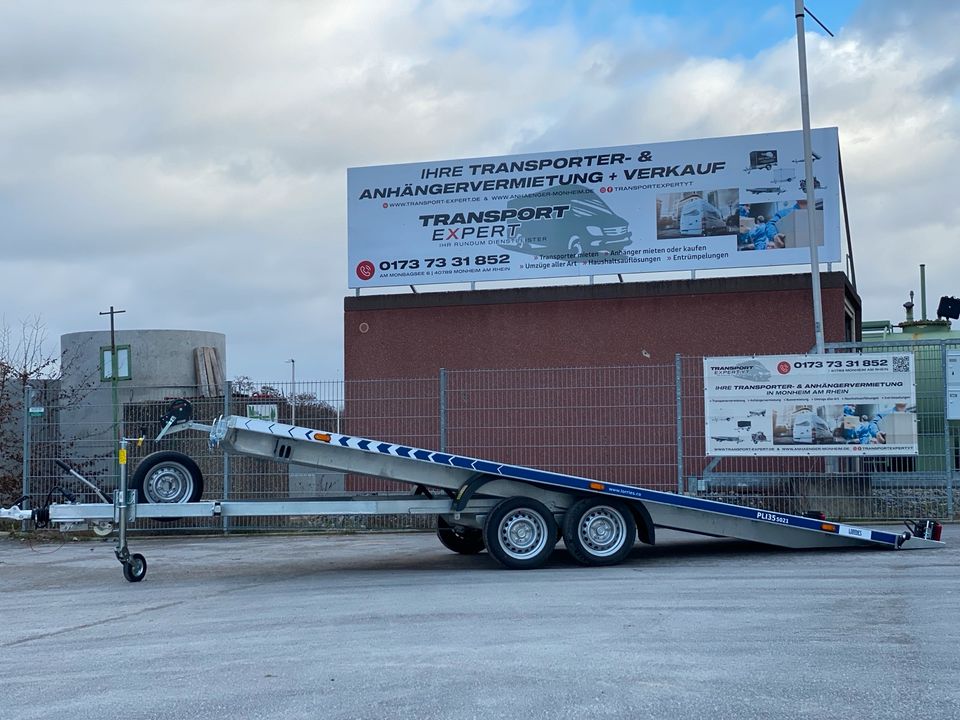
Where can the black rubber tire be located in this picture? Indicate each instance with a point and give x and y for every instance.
(136, 568)
(167, 477)
(520, 533)
(463, 540)
(599, 531)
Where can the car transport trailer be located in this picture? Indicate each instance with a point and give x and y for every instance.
(516, 513)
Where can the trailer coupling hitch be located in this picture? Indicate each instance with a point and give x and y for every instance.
(14, 512)
(40, 517)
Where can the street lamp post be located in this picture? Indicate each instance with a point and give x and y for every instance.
(293, 391)
(809, 179)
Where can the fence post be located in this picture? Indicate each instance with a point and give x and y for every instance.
(947, 447)
(27, 402)
(678, 375)
(227, 396)
(443, 409)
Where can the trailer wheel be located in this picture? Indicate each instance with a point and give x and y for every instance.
(520, 533)
(135, 569)
(598, 531)
(167, 477)
(463, 540)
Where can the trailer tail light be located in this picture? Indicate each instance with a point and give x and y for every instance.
(828, 527)
(322, 437)
(926, 529)
(596, 486)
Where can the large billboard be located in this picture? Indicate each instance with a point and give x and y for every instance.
(840, 404)
(693, 205)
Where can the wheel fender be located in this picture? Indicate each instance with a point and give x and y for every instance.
(469, 489)
(645, 528)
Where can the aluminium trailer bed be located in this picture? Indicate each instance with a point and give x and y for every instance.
(516, 513)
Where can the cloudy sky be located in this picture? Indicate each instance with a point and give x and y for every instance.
(186, 161)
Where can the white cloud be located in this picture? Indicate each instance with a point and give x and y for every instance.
(186, 161)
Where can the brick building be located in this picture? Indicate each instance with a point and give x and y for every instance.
(413, 336)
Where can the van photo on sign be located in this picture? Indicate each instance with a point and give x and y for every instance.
(698, 217)
(588, 228)
(697, 213)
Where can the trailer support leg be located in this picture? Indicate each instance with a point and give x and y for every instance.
(124, 510)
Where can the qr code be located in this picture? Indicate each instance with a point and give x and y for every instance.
(901, 363)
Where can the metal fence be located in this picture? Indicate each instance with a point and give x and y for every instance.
(641, 425)
(855, 488)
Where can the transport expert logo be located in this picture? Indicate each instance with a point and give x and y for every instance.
(366, 270)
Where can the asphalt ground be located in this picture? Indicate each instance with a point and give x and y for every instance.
(396, 626)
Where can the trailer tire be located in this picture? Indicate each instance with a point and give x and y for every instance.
(463, 540)
(167, 477)
(599, 531)
(135, 569)
(520, 533)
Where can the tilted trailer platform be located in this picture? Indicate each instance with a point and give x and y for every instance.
(516, 513)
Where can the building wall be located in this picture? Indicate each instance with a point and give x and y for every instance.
(162, 364)
(643, 325)
(157, 357)
(396, 336)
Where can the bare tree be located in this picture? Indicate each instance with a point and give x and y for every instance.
(244, 385)
(22, 357)
(24, 362)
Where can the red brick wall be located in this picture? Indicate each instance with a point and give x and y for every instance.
(546, 419)
(396, 336)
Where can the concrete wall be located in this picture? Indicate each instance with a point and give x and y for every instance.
(162, 364)
(158, 357)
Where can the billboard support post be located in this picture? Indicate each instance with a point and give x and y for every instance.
(810, 181)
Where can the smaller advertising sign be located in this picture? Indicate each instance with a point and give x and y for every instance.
(262, 412)
(841, 404)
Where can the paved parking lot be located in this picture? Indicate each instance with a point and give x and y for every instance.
(395, 626)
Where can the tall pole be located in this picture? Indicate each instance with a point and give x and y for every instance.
(293, 391)
(114, 368)
(27, 402)
(808, 173)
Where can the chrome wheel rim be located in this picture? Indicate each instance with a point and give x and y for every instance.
(168, 483)
(523, 534)
(602, 531)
